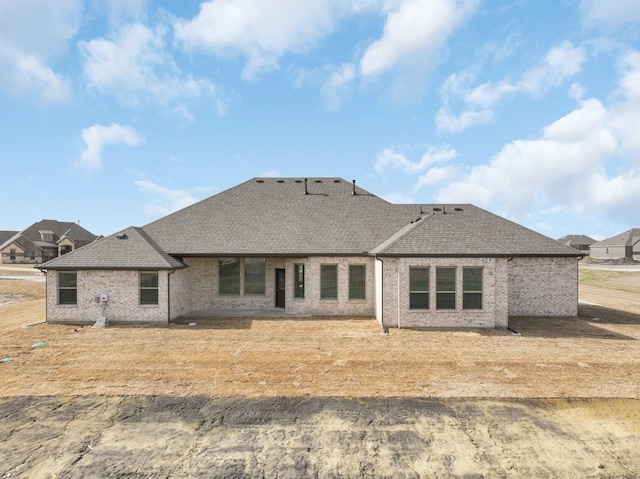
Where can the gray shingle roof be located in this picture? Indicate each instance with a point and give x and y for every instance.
(129, 249)
(576, 240)
(466, 230)
(274, 217)
(626, 238)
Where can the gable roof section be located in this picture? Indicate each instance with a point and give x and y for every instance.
(627, 238)
(130, 249)
(58, 228)
(274, 216)
(466, 230)
(576, 240)
(5, 236)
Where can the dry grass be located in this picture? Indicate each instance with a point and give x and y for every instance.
(578, 357)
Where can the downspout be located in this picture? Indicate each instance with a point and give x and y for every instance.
(169, 295)
(398, 291)
(384, 329)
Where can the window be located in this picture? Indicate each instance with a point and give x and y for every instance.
(357, 286)
(12, 254)
(418, 288)
(471, 288)
(148, 287)
(254, 275)
(229, 276)
(298, 281)
(445, 288)
(328, 281)
(67, 287)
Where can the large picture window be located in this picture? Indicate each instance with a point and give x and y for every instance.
(229, 276)
(67, 287)
(254, 275)
(328, 281)
(418, 288)
(445, 288)
(298, 280)
(357, 286)
(472, 288)
(148, 287)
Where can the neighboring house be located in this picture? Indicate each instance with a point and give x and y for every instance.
(579, 242)
(624, 247)
(43, 241)
(321, 247)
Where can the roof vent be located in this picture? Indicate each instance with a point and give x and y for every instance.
(354, 188)
(280, 181)
(336, 181)
(317, 181)
(457, 208)
(259, 181)
(306, 190)
(298, 181)
(437, 209)
(123, 236)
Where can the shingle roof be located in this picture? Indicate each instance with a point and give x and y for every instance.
(59, 229)
(626, 238)
(129, 249)
(466, 230)
(275, 217)
(576, 240)
(6, 236)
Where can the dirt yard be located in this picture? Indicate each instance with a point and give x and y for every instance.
(324, 397)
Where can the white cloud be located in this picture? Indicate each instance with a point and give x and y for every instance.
(135, 67)
(165, 200)
(389, 158)
(610, 15)
(96, 137)
(561, 63)
(437, 175)
(413, 33)
(564, 170)
(260, 30)
(32, 34)
(337, 86)
(446, 121)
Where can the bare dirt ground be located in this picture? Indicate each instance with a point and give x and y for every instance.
(324, 398)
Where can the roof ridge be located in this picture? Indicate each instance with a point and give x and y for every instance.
(398, 235)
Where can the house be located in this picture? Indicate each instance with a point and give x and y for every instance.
(623, 247)
(320, 246)
(42, 241)
(579, 242)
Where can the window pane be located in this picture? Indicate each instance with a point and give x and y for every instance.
(472, 279)
(418, 279)
(229, 276)
(68, 296)
(254, 275)
(148, 296)
(445, 279)
(472, 300)
(357, 288)
(445, 301)
(419, 301)
(328, 281)
(149, 280)
(68, 279)
(298, 281)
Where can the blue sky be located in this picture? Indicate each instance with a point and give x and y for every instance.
(117, 112)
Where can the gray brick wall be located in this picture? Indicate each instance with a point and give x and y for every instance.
(122, 288)
(543, 287)
(494, 302)
(197, 288)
